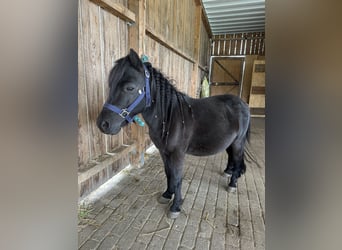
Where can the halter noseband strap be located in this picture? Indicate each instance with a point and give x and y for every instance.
(124, 113)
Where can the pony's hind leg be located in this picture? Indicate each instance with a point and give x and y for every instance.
(239, 166)
(230, 165)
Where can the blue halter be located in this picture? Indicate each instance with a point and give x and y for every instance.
(124, 113)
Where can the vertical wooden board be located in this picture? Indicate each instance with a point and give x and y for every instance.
(94, 91)
(180, 73)
(103, 88)
(183, 76)
(205, 51)
(171, 65)
(189, 29)
(216, 46)
(188, 81)
(148, 50)
(198, 87)
(107, 43)
(222, 44)
(248, 46)
(236, 48)
(156, 50)
(84, 150)
(157, 16)
(183, 9)
(126, 131)
(162, 58)
(229, 44)
(247, 76)
(148, 14)
(176, 71)
(152, 14)
(203, 43)
(185, 18)
(162, 16)
(256, 43)
(251, 43)
(240, 46)
(166, 60)
(173, 38)
(179, 25)
(171, 21)
(189, 20)
(112, 53)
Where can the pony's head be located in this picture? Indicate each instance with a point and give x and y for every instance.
(127, 88)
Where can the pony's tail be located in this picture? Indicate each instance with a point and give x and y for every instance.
(248, 135)
(248, 132)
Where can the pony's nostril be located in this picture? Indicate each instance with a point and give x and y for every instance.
(104, 125)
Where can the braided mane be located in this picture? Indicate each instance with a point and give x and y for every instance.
(168, 99)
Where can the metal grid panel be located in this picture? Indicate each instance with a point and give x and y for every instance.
(235, 16)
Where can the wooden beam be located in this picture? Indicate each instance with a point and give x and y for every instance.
(206, 23)
(116, 9)
(90, 171)
(136, 34)
(160, 39)
(196, 46)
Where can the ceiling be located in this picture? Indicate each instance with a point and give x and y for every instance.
(235, 16)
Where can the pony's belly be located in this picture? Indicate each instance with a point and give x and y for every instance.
(210, 147)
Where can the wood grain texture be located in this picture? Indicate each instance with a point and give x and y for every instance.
(116, 9)
(168, 32)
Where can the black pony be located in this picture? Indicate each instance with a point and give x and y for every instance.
(178, 124)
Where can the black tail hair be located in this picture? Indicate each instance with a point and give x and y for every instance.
(248, 133)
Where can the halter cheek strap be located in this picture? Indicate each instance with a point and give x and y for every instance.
(124, 112)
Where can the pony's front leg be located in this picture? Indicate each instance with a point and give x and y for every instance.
(166, 197)
(174, 171)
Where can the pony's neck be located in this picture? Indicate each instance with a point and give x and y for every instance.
(167, 102)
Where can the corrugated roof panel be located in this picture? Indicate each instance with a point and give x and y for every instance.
(235, 16)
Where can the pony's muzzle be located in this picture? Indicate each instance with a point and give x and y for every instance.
(108, 124)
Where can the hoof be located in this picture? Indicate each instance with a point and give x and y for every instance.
(163, 200)
(173, 215)
(231, 189)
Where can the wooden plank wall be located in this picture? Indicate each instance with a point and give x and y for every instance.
(238, 44)
(102, 39)
(166, 32)
(169, 41)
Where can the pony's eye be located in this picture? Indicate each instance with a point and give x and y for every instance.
(129, 88)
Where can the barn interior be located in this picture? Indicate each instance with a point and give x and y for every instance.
(189, 41)
(213, 45)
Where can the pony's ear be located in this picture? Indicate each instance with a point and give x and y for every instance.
(135, 60)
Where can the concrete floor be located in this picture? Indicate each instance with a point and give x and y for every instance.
(129, 216)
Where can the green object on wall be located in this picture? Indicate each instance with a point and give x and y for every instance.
(205, 88)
